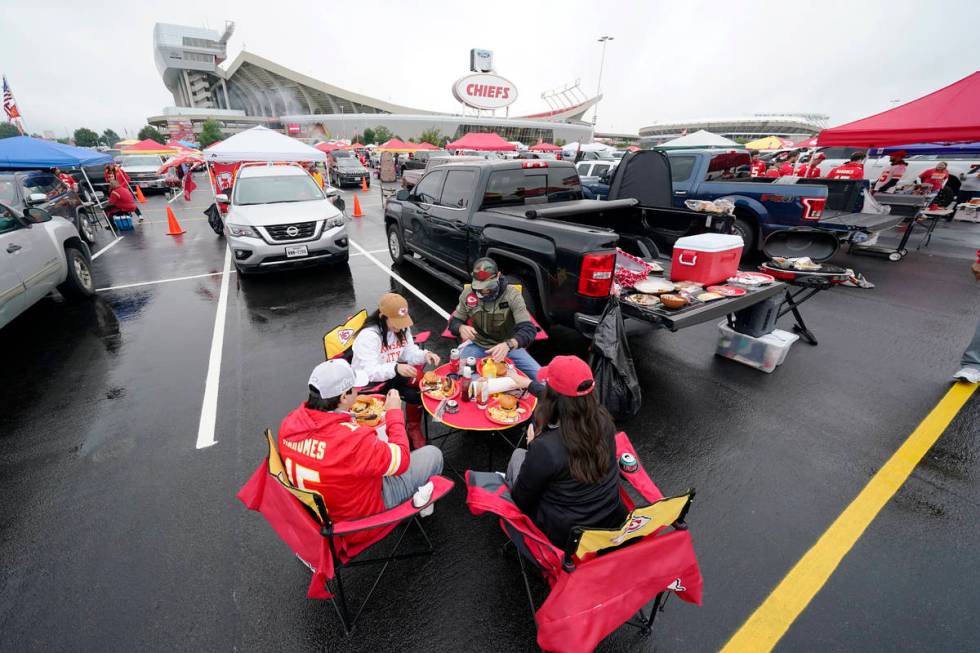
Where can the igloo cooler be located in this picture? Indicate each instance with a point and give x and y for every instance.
(706, 258)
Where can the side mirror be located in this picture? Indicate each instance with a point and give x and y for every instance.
(36, 216)
(221, 197)
(37, 198)
(403, 195)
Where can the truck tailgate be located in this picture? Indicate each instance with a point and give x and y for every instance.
(840, 220)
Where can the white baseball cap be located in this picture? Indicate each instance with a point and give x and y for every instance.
(335, 377)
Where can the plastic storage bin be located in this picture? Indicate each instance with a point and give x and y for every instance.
(706, 258)
(764, 353)
(123, 222)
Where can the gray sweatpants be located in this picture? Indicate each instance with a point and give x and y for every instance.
(425, 462)
(971, 357)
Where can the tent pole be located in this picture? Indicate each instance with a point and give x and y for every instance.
(97, 204)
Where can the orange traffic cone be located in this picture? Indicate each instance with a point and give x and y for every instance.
(174, 227)
(364, 184)
(357, 207)
(139, 196)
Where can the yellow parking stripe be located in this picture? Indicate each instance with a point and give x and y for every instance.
(763, 630)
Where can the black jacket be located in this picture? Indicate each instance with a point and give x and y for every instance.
(546, 491)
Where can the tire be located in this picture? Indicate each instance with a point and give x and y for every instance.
(747, 231)
(396, 246)
(85, 228)
(80, 283)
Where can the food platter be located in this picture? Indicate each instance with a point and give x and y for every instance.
(442, 388)
(727, 291)
(498, 415)
(752, 279)
(653, 286)
(642, 300)
(368, 410)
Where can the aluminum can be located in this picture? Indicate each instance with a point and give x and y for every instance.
(627, 463)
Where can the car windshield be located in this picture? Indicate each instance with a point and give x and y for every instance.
(348, 163)
(145, 160)
(276, 190)
(341, 154)
(8, 192)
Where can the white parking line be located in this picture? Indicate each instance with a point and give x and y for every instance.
(106, 248)
(152, 283)
(415, 291)
(209, 409)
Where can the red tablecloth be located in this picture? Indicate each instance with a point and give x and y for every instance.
(470, 417)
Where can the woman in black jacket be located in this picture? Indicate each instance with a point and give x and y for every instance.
(568, 475)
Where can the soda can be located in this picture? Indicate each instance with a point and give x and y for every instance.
(627, 463)
(454, 360)
(471, 362)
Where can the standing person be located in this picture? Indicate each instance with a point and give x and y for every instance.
(65, 178)
(357, 472)
(970, 371)
(568, 476)
(893, 173)
(935, 177)
(384, 351)
(853, 169)
(189, 185)
(502, 325)
(809, 169)
(757, 167)
(787, 168)
(317, 177)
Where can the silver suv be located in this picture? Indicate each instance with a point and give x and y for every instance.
(278, 217)
(39, 253)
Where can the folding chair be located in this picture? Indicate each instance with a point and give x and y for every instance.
(540, 333)
(602, 578)
(301, 520)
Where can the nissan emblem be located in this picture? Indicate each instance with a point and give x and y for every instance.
(292, 231)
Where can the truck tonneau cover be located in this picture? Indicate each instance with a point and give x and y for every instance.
(577, 207)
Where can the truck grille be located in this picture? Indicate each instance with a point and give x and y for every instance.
(286, 231)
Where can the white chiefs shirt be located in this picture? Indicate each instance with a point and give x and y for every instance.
(378, 360)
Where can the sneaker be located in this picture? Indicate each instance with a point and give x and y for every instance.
(423, 497)
(968, 374)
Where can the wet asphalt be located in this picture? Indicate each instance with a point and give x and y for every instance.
(117, 534)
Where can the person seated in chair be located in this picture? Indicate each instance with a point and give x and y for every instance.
(356, 471)
(568, 475)
(386, 353)
(502, 326)
(121, 200)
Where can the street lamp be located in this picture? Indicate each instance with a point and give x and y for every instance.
(602, 63)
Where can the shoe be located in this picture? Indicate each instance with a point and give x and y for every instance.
(413, 425)
(968, 374)
(423, 497)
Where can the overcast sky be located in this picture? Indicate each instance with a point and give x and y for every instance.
(90, 64)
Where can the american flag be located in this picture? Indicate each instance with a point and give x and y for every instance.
(9, 104)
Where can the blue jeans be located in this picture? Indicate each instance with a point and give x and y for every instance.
(971, 357)
(522, 360)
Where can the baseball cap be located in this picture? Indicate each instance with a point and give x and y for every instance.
(335, 377)
(568, 375)
(484, 274)
(395, 307)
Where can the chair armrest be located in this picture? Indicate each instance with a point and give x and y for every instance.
(422, 337)
(639, 479)
(401, 512)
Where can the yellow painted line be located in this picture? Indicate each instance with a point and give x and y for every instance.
(763, 630)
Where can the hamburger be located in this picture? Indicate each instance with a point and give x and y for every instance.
(431, 381)
(507, 402)
(367, 410)
(506, 410)
(499, 369)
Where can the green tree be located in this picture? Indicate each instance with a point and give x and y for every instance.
(109, 138)
(560, 142)
(382, 134)
(369, 137)
(152, 133)
(7, 130)
(85, 137)
(64, 141)
(432, 136)
(210, 133)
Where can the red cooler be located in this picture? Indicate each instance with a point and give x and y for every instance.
(706, 258)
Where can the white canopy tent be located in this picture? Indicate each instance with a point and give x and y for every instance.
(571, 148)
(700, 138)
(261, 144)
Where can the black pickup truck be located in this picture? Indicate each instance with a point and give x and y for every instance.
(530, 217)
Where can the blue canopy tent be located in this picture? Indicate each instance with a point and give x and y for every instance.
(931, 148)
(26, 153)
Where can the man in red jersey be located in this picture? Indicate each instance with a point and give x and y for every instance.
(757, 167)
(853, 169)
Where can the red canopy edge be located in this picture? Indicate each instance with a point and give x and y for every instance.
(482, 141)
(544, 147)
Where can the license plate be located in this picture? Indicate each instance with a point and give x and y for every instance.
(295, 251)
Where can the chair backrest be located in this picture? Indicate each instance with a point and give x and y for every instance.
(313, 501)
(341, 338)
(641, 522)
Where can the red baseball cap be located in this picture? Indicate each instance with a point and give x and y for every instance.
(568, 375)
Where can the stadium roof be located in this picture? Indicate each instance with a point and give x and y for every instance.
(776, 124)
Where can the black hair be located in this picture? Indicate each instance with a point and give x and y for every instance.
(323, 404)
(584, 427)
(376, 319)
(858, 156)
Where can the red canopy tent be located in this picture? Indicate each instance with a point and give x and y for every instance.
(810, 142)
(632, 148)
(544, 147)
(428, 146)
(482, 141)
(148, 146)
(949, 115)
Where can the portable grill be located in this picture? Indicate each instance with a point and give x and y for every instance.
(801, 285)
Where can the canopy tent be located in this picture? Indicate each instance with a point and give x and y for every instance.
(149, 146)
(330, 147)
(25, 152)
(769, 143)
(395, 145)
(572, 148)
(181, 148)
(698, 139)
(190, 157)
(949, 115)
(193, 146)
(357, 146)
(941, 149)
(262, 144)
(428, 146)
(805, 144)
(125, 143)
(544, 147)
(486, 141)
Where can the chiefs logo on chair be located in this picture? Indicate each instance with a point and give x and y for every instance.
(635, 524)
(344, 335)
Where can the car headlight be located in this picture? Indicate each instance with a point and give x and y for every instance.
(335, 222)
(242, 231)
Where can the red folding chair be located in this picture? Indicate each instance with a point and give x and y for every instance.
(602, 578)
(301, 520)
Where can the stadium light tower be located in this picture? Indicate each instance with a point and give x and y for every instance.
(602, 63)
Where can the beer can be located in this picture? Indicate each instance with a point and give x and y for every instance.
(471, 362)
(454, 360)
(627, 463)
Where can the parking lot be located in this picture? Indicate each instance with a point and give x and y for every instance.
(122, 454)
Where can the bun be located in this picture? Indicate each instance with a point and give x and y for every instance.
(507, 402)
(430, 378)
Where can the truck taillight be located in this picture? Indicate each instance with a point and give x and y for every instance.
(534, 163)
(596, 277)
(813, 208)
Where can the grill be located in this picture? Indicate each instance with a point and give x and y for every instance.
(295, 231)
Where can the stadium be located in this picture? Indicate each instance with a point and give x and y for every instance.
(743, 129)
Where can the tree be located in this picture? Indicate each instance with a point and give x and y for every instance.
(109, 138)
(432, 136)
(64, 141)
(85, 137)
(7, 130)
(152, 133)
(382, 134)
(210, 133)
(560, 142)
(369, 137)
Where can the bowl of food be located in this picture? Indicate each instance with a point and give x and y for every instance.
(674, 302)
(368, 410)
(438, 387)
(506, 409)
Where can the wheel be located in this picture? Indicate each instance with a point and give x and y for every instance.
(85, 228)
(79, 283)
(895, 256)
(396, 246)
(745, 229)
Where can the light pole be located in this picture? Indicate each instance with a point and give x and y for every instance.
(602, 63)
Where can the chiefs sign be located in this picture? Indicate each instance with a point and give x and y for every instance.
(485, 91)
